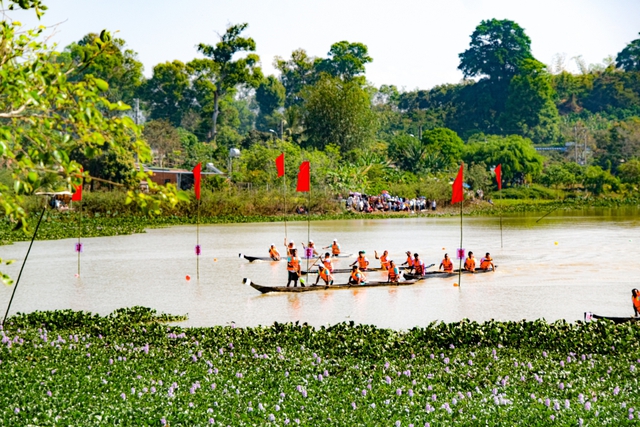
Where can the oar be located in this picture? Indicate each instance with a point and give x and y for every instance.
(314, 263)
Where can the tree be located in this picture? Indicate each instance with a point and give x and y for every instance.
(221, 73)
(162, 137)
(340, 113)
(629, 58)
(520, 161)
(296, 74)
(629, 172)
(530, 110)
(557, 175)
(41, 125)
(168, 92)
(445, 143)
(597, 180)
(498, 49)
(270, 96)
(346, 61)
(116, 65)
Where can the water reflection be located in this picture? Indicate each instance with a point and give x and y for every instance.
(592, 267)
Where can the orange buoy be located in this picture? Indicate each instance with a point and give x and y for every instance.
(188, 277)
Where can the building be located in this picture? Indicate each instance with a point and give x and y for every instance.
(181, 178)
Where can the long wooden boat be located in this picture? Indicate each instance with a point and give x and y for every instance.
(430, 274)
(348, 270)
(588, 316)
(266, 258)
(323, 287)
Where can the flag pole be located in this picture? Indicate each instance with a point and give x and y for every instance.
(309, 217)
(79, 246)
(284, 197)
(460, 261)
(15, 287)
(198, 242)
(500, 193)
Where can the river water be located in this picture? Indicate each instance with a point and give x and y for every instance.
(557, 268)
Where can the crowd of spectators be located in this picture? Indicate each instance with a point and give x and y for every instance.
(387, 203)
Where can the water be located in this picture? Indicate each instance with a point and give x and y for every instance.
(593, 267)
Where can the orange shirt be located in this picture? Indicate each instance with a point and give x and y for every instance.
(470, 264)
(485, 263)
(363, 262)
(384, 262)
(447, 264)
(293, 264)
(636, 302)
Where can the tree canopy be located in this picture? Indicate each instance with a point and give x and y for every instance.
(629, 58)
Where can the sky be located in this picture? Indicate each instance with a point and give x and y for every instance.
(413, 43)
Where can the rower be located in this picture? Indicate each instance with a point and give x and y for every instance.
(357, 277)
(310, 251)
(335, 248)
(290, 246)
(293, 268)
(384, 259)
(486, 263)
(394, 272)
(635, 298)
(325, 274)
(409, 261)
(327, 262)
(470, 263)
(273, 253)
(418, 265)
(446, 264)
(362, 261)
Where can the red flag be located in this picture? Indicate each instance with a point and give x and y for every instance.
(457, 195)
(196, 180)
(77, 195)
(280, 165)
(499, 176)
(304, 178)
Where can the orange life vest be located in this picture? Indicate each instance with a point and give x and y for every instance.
(447, 264)
(636, 302)
(470, 264)
(363, 262)
(418, 267)
(485, 263)
(327, 263)
(324, 274)
(384, 261)
(355, 275)
(394, 274)
(335, 249)
(273, 253)
(293, 264)
(409, 261)
(289, 249)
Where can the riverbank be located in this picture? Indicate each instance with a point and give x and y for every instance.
(132, 368)
(100, 218)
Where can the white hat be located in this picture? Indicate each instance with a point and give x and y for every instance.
(335, 240)
(290, 241)
(310, 241)
(272, 244)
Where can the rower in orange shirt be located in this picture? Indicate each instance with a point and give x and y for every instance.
(635, 299)
(446, 264)
(273, 253)
(486, 263)
(384, 259)
(470, 263)
(362, 261)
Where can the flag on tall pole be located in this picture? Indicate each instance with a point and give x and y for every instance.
(457, 196)
(280, 170)
(498, 171)
(77, 197)
(196, 188)
(304, 177)
(280, 165)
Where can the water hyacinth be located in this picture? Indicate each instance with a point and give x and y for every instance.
(387, 374)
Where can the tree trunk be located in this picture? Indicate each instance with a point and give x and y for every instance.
(216, 111)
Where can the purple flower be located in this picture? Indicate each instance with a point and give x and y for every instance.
(272, 417)
(547, 402)
(561, 386)
(399, 392)
(567, 404)
(49, 393)
(388, 379)
(410, 393)
(364, 392)
(587, 406)
(211, 421)
(163, 421)
(17, 410)
(616, 391)
(553, 417)
(123, 396)
(353, 405)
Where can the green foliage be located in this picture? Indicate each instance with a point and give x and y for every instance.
(116, 65)
(444, 143)
(346, 61)
(340, 113)
(531, 192)
(557, 175)
(130, 367)
(597, 181)
(270, 95)
(220, 73)
(296, 74)
(168, 92)
(520, 161)
(497, 50)
(164, 139)
(619, 143)
(629, 58)
(629, 172)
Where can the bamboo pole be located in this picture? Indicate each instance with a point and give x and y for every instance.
(198, 242)
(23, 264)
(461, 249)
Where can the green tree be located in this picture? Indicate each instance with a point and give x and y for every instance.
(557, 175)
(629, 172)
(445, 143)
(519, 159)
(629, 58)
(338, 112)
(346, 61)
(530, 110)
(221, 74)
(168, 93)
(297, 73)
(42, 126)
(116, 65)
(597, 180)
(270, 96)
(498, 49)
(163, 138)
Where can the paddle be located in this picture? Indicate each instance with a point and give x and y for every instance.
(314, 263)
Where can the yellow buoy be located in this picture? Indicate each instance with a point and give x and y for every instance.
(555, 243)
(215, 259)
(455, 284)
